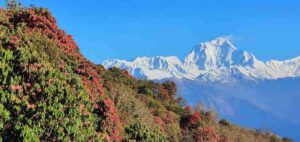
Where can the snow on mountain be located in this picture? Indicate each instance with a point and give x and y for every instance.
(216, 54)
(243, 89)
(217, 60)
(151, 68)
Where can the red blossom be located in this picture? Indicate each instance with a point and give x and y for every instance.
(28, 85)
(33, 94)
(96, 106)
(224, 139)
(81, 107)
(196, 117)
(188, 109)
(16, 88)
(39, 90)
(31, 106)
(207, 134)
(41, 21)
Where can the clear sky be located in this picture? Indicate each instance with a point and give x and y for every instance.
(125, 29)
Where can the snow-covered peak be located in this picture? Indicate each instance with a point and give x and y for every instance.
(157, 61)
(152, 67)
(223, 42)
(218, 53)
(228, 80)
(216, 60)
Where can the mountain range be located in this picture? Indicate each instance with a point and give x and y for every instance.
(50, 92)
(217, 60)
(248, 91)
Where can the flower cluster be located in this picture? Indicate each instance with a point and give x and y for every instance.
(111, 122)
(16, 88)
(207, 134)
(40, 28)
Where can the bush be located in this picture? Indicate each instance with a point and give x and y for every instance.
(285, 139)
(153, 103)
(176, 108)
(145, 90)
(42, 97)
(50, 92)
(224, 122)
(130, 108)
(139, 132)
(119, 76)
(274, 139)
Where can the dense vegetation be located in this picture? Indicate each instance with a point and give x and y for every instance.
(50, 92)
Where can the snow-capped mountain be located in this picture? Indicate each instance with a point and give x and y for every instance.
(217, 60)
(243, 89)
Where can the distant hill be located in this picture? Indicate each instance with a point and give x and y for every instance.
(50, 92)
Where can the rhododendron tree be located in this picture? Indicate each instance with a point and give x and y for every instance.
(51, 87)
(50, 92)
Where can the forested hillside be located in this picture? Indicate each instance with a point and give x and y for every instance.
(50, 92)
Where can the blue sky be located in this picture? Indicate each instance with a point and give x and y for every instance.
(129, 28)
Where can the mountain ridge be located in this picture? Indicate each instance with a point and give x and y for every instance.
(50, 92)
(233, 82)
(218, 56)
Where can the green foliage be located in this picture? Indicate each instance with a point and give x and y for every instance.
(28, 135)
(224, 122)
(274, 139)
(50, 92)
(145, 90)
(153, 103)
(37, 100)
(116, 75)
(171, 87)
(131, 109)
(176, 108)
(139, 132)
(285, 139)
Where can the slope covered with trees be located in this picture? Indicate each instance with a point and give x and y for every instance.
(50, 92)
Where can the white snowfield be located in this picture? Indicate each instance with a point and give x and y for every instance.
(217, 60)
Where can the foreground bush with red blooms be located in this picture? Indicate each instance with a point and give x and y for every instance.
(50, 92)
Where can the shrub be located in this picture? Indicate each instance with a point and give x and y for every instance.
(43, 98)
(224, 122)
(116, 75)
(145, 90)
(176, 108)
(50, 92)
(139, 132)
(274, 139)
(171, 88)
(130, 108)
(285, 139)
